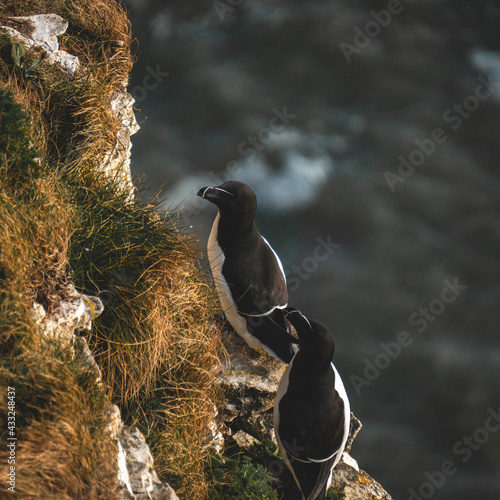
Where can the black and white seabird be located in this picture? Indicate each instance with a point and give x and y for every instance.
(311, 411)
(248, 273)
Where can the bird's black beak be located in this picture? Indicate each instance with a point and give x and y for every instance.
(202, 193)
(211, 193)
(297, 319)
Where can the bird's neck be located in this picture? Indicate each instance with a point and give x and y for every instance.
(315, 354)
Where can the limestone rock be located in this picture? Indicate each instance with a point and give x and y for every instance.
(250, 381)
(115, 424)
(244, 440)
(75, 312)
(214, 438)
(43, 31)
(116, 163)
(126, 492)
(137, 479)
(87, 361)
(354, 483)
(143, 482)
(354, 428)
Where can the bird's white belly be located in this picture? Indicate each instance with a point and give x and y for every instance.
(216, 259)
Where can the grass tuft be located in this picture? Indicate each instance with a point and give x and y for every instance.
(58, 416)
(153, 341)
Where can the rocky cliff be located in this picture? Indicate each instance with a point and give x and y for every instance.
(104, 311)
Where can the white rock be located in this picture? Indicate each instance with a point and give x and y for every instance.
(123, 476)
(142, 477)
(74, 313)
(116, 163)
(251, 376)
(115, 424)
(245, 440)
(38, 312)
(214, 437)
(47, 27)
(44, 29)
(354, 483)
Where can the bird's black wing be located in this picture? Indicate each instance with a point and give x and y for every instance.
(312, 435)
(312, 430)
(254, 275)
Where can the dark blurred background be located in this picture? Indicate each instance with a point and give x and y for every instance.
(316, 104)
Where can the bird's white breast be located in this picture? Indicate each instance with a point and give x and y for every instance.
(216, 258)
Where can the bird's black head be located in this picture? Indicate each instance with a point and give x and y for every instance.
(236, 201)
(315, 339)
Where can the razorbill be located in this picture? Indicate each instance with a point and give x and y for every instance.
(248, 273)
(311, 411)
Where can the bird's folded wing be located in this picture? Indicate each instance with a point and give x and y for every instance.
(255, 290)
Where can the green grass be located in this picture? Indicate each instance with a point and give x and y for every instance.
(246, 474)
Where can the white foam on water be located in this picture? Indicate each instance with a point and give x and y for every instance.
(291, 186)
(487, 62)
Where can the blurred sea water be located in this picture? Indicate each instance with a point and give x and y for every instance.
(374, 126)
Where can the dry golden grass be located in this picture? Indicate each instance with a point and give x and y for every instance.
(59, 416)
(154, 340)
(188, 372)
(63, 447)
(63, 219)
(84, 127)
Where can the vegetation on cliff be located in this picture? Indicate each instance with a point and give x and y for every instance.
(65, 220)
